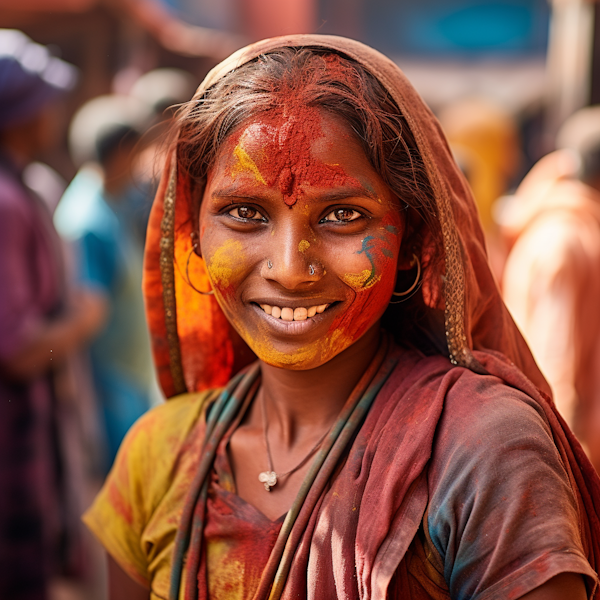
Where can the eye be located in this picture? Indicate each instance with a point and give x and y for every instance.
(342, 215)
(246, 213)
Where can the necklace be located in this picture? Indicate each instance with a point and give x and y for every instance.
(269, 478)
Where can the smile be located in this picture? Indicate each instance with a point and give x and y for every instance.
(286, 313)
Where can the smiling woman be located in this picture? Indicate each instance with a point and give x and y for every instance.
(292, 315)
(352, 412)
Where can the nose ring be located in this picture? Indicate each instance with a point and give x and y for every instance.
(269, 264)
(311, 269)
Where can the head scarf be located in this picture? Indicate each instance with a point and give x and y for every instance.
(194, 346)
(29, 78)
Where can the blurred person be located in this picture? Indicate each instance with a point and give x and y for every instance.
(485, 141)
(100, 214)
(552, 277)
(40, 325)
(163, 90)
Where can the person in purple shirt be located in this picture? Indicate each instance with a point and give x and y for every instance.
(39, 323)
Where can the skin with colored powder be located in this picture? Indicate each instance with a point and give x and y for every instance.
(251, 217)
(303, 246)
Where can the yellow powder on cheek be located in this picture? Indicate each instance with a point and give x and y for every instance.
(245, 163)
(227, 263)
(303, 246)
(358, 281)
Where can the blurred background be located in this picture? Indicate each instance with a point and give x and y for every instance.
(508, 80)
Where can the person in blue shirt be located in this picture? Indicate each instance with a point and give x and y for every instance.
(100, 213)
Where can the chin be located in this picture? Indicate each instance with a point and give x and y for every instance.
(296, 359)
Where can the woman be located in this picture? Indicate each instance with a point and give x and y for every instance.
(348, 462)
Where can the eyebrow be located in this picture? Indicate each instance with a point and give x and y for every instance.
(332, 196)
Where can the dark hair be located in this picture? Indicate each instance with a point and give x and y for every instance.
(111, 139)
(589, 166)
(335, 83)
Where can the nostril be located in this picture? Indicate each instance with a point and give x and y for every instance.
(316, 270)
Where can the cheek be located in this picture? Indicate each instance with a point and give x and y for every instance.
(377, 256)
(226, 265)
(373, 285)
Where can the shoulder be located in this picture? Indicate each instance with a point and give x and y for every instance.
(146, 462)
(144, 471)
(471, 411)
(554, 241)
(478, 407)
(500, 497)
(486, 429)
(159, 436)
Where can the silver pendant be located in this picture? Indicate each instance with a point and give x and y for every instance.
(269, 479)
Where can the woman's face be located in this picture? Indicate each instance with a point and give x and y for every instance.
(300, 235)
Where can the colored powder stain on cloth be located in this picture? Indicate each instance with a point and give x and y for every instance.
(303, 246)
(226, 264)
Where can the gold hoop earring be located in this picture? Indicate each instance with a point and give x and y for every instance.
(417, 281)
(187, 274)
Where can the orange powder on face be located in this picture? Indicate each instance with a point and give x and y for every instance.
(226, 265)
(361, 281)
(373, 286)
(303, 246)
(245, 163)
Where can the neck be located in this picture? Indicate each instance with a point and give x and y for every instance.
(301, 401)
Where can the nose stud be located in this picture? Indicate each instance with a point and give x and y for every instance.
(311, 270)
(269, 264)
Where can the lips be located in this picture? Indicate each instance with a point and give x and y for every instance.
(287, 313)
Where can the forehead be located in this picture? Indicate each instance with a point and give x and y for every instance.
(294, 149)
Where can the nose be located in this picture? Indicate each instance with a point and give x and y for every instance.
(291, 261)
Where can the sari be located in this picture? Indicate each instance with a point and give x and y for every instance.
(420, 441)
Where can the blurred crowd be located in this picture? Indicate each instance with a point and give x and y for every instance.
(75, 360)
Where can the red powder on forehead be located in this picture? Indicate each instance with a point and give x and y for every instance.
(288, 159)
(281, 144)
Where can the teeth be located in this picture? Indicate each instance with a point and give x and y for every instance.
(293, 314)
(300, 314)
